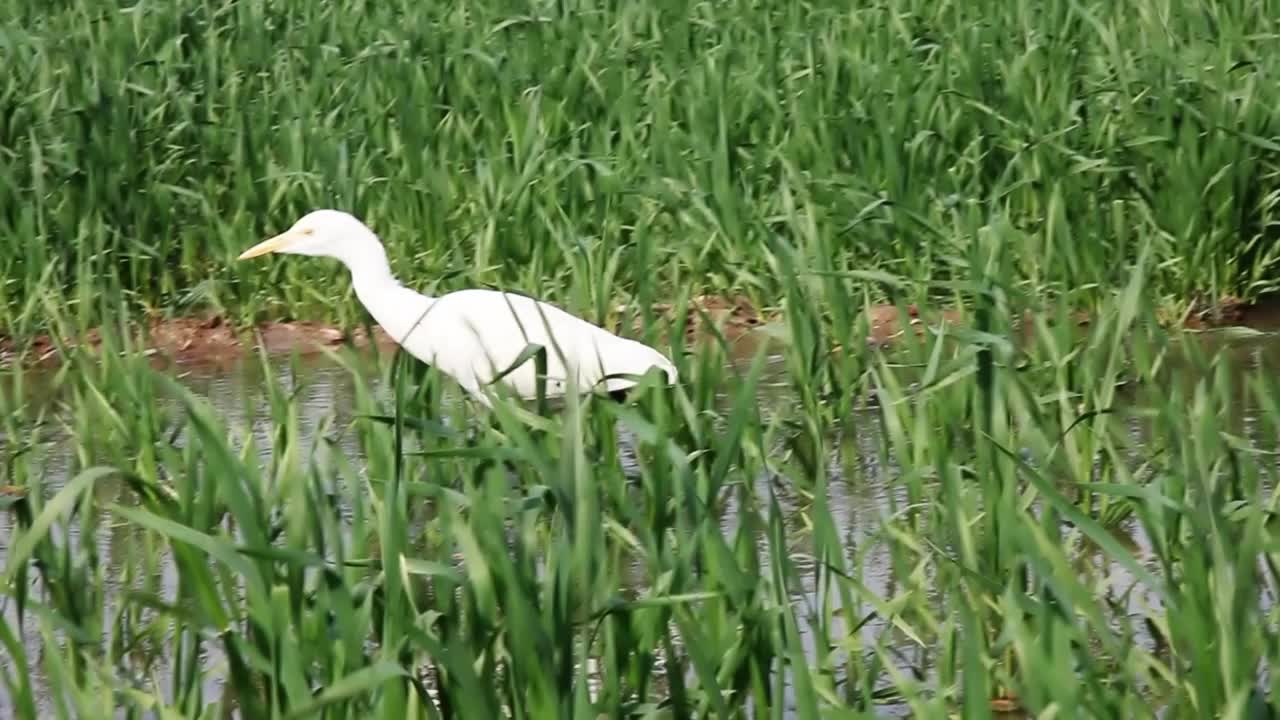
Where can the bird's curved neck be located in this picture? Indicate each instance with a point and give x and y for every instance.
(370, 268)
(396, 308)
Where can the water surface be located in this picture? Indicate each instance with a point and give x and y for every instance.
(860, 496)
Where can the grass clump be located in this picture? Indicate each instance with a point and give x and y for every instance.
(1072, 520)
(570, 150)
(1086, 533)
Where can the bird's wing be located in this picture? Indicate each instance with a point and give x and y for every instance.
(481, 333)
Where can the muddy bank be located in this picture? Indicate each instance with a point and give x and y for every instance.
(1231, 311)
(886, 323)
(194, 340)
(214, 340)
(707, 316)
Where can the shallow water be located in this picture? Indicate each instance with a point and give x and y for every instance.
(236, 393)
(859, 501)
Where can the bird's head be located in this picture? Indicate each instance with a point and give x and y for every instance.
(324, 233)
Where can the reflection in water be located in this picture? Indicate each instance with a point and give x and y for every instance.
(323, 393)
(861, 492)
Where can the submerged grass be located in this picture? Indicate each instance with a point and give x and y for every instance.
(596, 153)
(1078, 525)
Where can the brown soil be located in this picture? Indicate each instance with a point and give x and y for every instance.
(1005, 704)
(1227, 312)
(733, 317)
(1232, 311)
(214, 340)
(884, 322)
(209, 340)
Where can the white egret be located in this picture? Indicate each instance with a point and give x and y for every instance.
(471, 335)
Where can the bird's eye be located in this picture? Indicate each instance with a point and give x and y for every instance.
(308, 231)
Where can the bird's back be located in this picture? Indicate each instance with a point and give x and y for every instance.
(473, 335)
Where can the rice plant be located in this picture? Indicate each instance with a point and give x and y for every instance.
(592, 154)
(1085, 533)
(1015, 512)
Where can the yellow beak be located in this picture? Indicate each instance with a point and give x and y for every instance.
(266, 246)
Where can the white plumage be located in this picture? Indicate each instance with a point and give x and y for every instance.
(471, 335)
